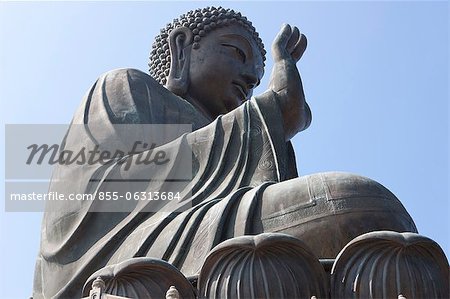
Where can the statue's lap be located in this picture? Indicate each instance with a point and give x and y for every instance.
(328, 210)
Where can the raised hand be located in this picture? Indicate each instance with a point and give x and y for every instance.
(287, 48)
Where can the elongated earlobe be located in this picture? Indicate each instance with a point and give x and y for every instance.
(180, 44)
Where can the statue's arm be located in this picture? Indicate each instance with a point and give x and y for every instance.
(285, 82)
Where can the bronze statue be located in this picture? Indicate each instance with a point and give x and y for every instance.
(244, 178)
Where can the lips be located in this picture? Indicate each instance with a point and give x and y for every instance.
(242, 89)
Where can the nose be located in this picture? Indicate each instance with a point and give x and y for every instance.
(251, 79)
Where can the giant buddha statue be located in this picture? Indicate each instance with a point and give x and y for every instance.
(204, 67)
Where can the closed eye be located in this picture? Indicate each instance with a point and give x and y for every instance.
(239, 52)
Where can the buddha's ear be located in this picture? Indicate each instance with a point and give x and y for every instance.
(180, 45)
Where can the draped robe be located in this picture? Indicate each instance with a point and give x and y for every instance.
(234, 158)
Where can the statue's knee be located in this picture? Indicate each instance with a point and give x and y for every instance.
(347, 193)
(330, 186)
(336, 206)
(342, 185)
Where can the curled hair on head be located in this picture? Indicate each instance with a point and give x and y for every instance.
(201, 21)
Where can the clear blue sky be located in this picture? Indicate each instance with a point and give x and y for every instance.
(375, 75)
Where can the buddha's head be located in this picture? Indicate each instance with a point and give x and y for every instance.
(212, 57)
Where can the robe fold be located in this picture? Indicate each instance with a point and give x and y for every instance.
(234, 158)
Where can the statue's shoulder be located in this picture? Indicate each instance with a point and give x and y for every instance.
(135, 83)
(126, 95)
(129, 95)
(130, 75)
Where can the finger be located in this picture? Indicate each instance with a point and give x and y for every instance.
(283, 36)
(299, 47)
(293, 39)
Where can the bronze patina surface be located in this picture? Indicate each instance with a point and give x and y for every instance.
(203, 69)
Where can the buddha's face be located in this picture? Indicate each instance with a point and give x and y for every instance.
(225, 69)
